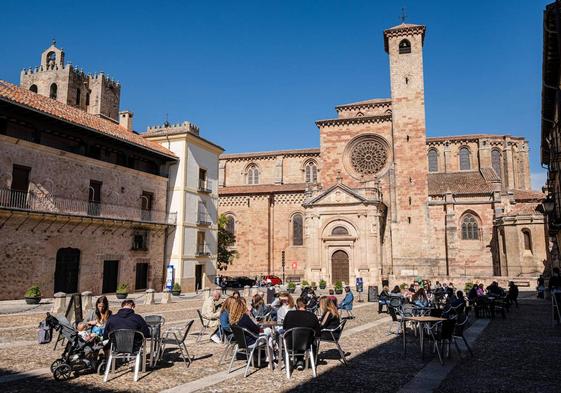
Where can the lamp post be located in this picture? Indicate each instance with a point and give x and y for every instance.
(283, 264)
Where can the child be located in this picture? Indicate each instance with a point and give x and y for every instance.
(83, 332)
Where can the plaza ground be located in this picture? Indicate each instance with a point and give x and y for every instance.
(516, 354)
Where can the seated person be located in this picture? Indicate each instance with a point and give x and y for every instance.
(301, 318)
(286, 304)
(512, 295)
(98, 317)
(347, 302)
(211, 313)
(329, 316)
(258, 307)
(480, 290)
(494, 289)
(225, 316)
(472, 294)
(458, 300)
(383, 299)
(332, 296)
(239, 316)
(126, 318)
(420, 298)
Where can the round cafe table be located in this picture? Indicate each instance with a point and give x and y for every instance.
(422, 321)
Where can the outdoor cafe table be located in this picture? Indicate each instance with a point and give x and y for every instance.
(423, 320)
(155, 341)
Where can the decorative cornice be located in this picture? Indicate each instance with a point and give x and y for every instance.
(313, 152)
(362, 105)
(404, 30)
(354, 120)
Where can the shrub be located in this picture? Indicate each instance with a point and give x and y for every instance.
(338, 285)
(305, 283)
(176, 287)
(322, 283)
(123, 288)
(291, 285)
(33, 291)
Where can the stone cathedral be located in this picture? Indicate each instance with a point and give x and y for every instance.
(380, 200)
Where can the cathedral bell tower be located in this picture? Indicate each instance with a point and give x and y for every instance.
(409, 218)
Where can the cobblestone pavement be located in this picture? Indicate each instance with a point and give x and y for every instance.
(518, 354)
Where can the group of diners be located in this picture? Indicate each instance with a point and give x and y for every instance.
(272, 320)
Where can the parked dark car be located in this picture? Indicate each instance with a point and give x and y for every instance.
(239, 282)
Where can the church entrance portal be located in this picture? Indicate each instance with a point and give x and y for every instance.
(340, 267)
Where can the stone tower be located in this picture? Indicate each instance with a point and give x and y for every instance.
(97, 94)
(409, 213)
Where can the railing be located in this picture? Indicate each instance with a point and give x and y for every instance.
(205, 185)
(202, 250)
(29, 201)
(203, 218)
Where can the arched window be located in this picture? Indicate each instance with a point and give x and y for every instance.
(33, 88)
(53, 91)
(297, 230)
(465, 163)
(470, 229)
(339, 231)
(404, 47)
(496, 161)
(51, 58)
(311, 171)
(231, 225)
(433, 160)
(527, 239)
(252, 174)
(88, 98)
(78, 93)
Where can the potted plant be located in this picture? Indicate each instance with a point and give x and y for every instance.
(314, 285)
(33, 295)
(176, 290)
(338, 287)
(305, 284)
(322, 284)
(291, 287)
(122, 291)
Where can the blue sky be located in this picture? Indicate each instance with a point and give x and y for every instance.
(255, 75)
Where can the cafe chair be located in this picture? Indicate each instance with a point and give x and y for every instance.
(332, 336)
(177, 339)
(205, 324)
(461, 326)
(126, 344)
(299, 342)
(242, 347)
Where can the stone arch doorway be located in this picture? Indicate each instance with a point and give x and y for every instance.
(67, 270)
(340, 267)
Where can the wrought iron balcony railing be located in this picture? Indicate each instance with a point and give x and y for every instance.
(202, 250)
(203, 218)
(29, 201)
(205, 185)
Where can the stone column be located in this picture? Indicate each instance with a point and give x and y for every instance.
(86, 301)
(149, 296)
(59, 306)
(166, 296)
(206, 293)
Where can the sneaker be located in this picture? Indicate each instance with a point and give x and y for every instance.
(215, 338)
(300, 366)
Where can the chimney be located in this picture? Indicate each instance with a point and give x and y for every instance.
(125, 120)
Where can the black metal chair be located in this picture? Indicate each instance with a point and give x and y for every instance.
(204, 325)
(242, 347)
(299, 341)
(461, 325)
(332, 336)
(155, 323)
(178, 338)
(126, 344)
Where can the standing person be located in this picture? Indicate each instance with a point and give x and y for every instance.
(301, 318)
(98, 317)
(383, 299)
(347, 302)
(541, 287)
(211, 312)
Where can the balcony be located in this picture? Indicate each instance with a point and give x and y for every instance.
(203, 218)
(205, 186)
(38, 203)
(203, 250)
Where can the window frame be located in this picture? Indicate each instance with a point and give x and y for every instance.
(470, 230)
(468, 157)
(435, 153)
(297, 228)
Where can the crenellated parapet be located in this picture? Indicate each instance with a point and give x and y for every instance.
(169, 129)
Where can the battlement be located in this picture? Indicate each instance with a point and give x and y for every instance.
(178, 128)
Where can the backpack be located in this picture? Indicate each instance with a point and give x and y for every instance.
(44, 333)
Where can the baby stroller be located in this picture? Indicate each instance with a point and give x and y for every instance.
(79, 356)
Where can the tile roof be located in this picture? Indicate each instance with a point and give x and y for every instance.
(472, 182)
(524, 209)
(489, 174)
(313, 151)
(22, 97)
(262, 189)
(528, 195)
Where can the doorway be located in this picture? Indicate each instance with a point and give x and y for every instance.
(141, 276)
(67, 270)
(198, 277)
(340, 267)
(110, 276)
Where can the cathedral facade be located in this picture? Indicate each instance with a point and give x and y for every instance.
(379, 200)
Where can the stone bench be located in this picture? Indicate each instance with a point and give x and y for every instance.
(521, 282)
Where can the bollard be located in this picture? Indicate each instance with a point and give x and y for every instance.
(206, 293)
(166, 296)
(253, 291)
(246, 291)
(87, 302)
(59, 306)
(149, 296)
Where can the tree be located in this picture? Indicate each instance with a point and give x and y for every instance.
(226, 240)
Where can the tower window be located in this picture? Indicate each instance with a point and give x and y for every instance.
(33, 88)
(404, 47)
(311, 172)
(496, 161)
(252, 174)
(433, 160)
(53, 91)
(465, 162)
(78, 93)
(470, 229)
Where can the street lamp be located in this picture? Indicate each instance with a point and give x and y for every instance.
(548, 205)
(283, 264)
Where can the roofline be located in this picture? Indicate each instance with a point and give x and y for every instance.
(166, 136)
(365, 103)
(473, 136)
(354, 120)
(311, 151)
(171, 155)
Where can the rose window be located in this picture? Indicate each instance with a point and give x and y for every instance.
(368, 156)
